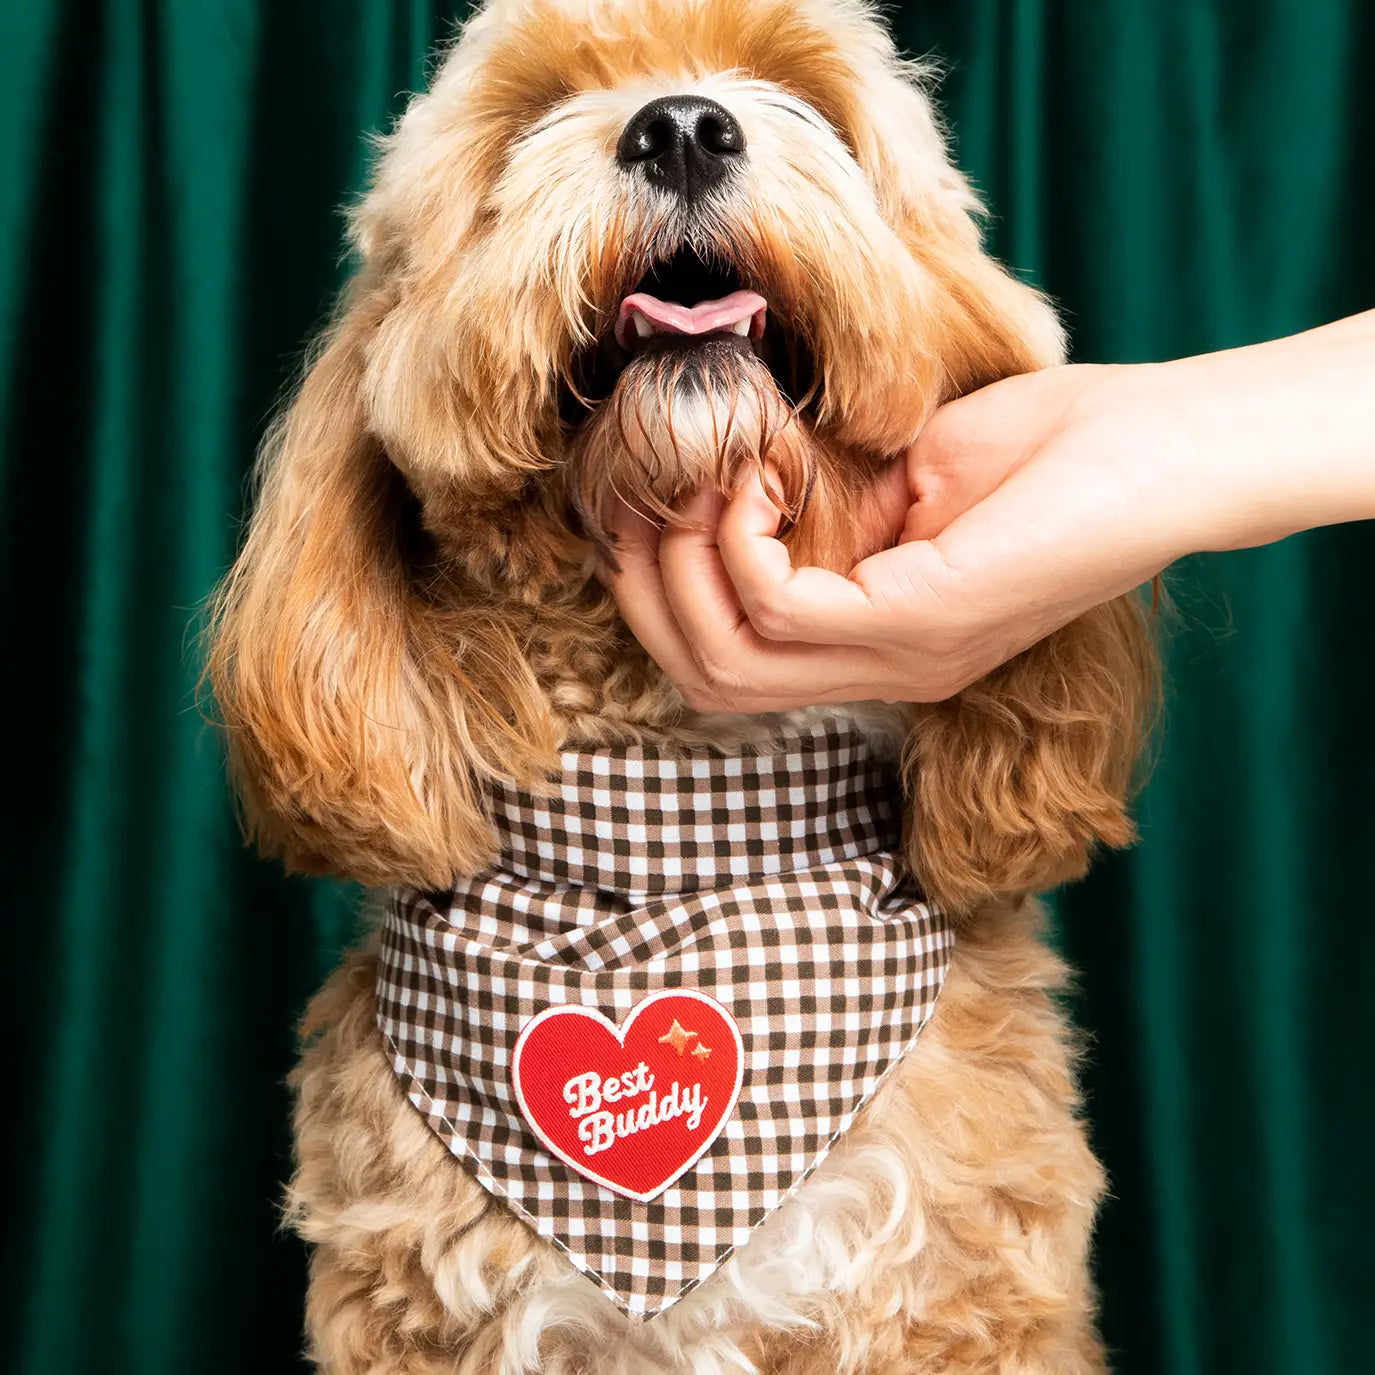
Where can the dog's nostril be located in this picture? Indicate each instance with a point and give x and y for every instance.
(645, 140)
(685, 144)
(720, 136)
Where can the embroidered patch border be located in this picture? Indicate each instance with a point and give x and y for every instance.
(651, 1004)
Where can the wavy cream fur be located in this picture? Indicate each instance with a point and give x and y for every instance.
(948, 1230)
(416, 611)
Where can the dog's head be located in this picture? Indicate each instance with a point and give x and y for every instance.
(625, 247)
(619, 249)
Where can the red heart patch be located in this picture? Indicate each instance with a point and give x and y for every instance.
(631, 1107)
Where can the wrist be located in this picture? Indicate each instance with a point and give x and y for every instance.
(1281, 435)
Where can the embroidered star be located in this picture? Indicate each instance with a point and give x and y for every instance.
(677, 1036)
(701, 1051)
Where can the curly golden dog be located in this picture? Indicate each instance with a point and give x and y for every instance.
(618, 250)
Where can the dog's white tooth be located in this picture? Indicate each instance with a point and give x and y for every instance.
(742, 328)
(643, 327)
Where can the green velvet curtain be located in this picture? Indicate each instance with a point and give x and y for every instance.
(1182, 174)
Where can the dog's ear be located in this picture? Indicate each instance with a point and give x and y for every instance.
(1012, 782)
(362, 715)
(980, 320)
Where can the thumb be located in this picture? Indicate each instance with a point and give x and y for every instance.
(964, 453)
(881, 510)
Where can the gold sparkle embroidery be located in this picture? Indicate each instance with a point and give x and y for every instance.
(701, 1051)
(677, 1036)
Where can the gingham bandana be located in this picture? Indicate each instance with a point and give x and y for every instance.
(650, 1021)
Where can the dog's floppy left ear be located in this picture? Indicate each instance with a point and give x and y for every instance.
(362, 710)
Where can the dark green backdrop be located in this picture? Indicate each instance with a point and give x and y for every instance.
(1182, 176)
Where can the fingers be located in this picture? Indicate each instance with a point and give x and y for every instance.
(964, 453)
(639, 591)
(1009, 539)
(784, 603)
(682, 608)
(882, 509)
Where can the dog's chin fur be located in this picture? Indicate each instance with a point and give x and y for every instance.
(678, 422)
(416, 612)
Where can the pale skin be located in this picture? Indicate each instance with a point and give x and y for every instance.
(1017, 509)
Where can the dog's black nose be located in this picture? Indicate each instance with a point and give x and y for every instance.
(683, 143)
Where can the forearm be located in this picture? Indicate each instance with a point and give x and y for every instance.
(1283, 432)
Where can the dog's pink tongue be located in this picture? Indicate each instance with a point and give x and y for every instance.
(668, 317)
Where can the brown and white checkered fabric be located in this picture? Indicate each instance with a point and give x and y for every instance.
(769, 881)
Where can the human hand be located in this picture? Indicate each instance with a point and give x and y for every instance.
(1019, 508)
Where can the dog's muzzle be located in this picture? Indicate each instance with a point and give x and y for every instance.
(685, 144)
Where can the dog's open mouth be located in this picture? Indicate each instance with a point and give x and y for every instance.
(693, 305)
(644, 317)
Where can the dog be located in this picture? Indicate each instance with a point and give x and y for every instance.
(620, 250)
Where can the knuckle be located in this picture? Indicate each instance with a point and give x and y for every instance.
(935, 448)
(698, 698)
(721, 679)
(728, 688)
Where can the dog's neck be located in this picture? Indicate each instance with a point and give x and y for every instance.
(520, 562)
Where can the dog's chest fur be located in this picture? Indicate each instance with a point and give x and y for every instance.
(954, 1217)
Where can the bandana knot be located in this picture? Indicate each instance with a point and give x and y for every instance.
(639, 824)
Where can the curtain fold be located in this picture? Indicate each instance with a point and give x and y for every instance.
(1181, 175)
